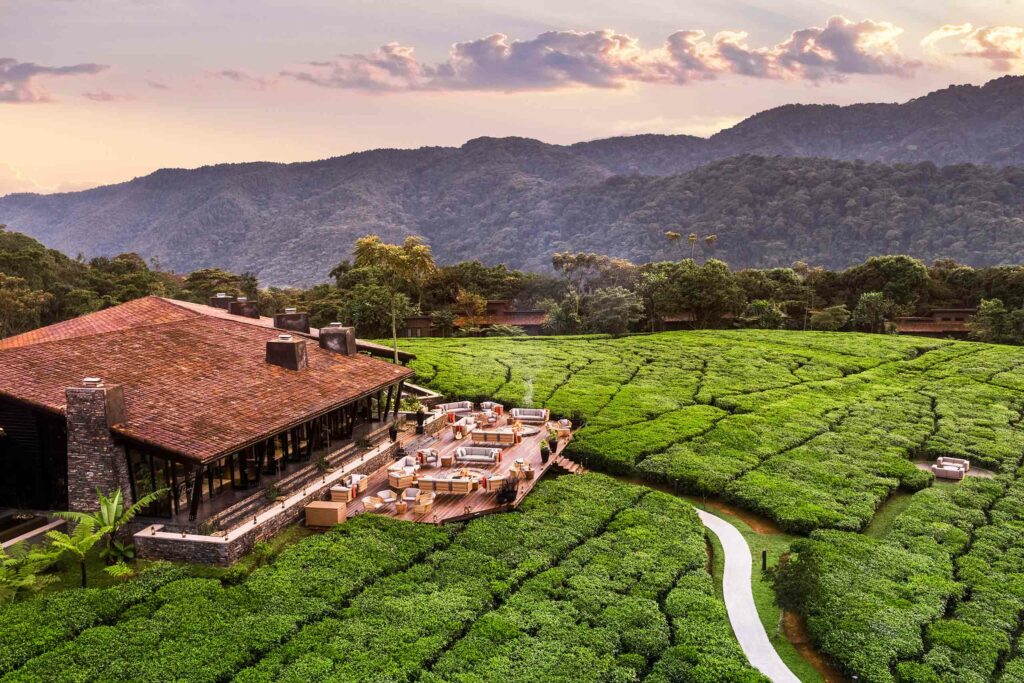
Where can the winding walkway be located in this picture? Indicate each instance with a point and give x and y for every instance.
(739, 602)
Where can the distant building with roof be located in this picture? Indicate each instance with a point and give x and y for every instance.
(938, 322)
(498, 312)
(210, 402)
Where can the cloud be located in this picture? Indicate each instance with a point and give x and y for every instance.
(19, 81)
(11, 180)
(1001, 46)
(157, 85)
(609, 59)
(104, 96)
(257, 82)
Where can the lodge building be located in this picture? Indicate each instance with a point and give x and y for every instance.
(497, 312)
(212, 402)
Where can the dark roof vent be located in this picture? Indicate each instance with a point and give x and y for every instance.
(245, 308)
(221, 300)
(287, 352)
(292, 319)
(339, 339)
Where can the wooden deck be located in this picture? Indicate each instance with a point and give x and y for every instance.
(456, 507)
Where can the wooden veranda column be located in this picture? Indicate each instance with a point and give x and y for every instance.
(398, 397)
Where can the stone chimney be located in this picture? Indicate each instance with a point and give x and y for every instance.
(339, 339)
(94, 458)
(292, 319)
(245, 308)
(221, 300)
(287, 352)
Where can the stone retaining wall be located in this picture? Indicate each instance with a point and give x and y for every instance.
(153, 543)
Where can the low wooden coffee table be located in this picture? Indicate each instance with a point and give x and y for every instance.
(447, 460)
(401, 507)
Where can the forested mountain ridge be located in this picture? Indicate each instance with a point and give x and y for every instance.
(516, 200)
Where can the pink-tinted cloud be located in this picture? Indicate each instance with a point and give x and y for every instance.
(104, 96)
(20, 81)
(609, 59)
(1001, 46)
(258, 82)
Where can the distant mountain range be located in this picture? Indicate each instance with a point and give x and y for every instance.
(825, 184)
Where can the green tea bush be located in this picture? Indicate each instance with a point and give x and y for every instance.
(703, 647)
(198, 630)
(866, 599)
(392, 629)
(33, 627)
(593, 617)
(815, 430)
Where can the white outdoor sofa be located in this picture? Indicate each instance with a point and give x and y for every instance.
(537, 415)
(455, 407)
(478, 455)
(945, 461)
(948, 472)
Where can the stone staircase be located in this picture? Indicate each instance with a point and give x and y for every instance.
(567, 466)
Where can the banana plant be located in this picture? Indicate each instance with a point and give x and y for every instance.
(108, 520)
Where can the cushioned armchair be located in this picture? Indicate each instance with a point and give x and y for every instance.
(424, 503)
(428, 457)
(373, 503)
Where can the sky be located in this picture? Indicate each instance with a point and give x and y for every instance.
(95, 92)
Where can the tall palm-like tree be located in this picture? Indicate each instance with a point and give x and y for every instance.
(672, 236)
(404, 266)
(692, 239)
(710, 240)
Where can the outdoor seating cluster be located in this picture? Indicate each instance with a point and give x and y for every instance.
(467, 457)
(951, 468)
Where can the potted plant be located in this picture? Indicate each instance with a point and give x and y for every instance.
(552, 440)
(545, 451)
(421, 417)
(393, 432)
(507, 493)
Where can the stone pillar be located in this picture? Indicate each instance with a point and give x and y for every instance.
(94, 458)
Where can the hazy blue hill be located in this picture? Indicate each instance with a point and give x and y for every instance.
(516, 200)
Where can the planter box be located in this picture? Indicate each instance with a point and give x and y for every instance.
(325, 513)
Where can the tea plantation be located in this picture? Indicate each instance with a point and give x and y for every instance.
(591, 580)
(814, 431)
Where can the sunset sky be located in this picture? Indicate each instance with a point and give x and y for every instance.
(99, 91)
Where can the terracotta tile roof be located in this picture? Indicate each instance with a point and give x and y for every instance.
(195, 384)
(263, 321)
(509, 318)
